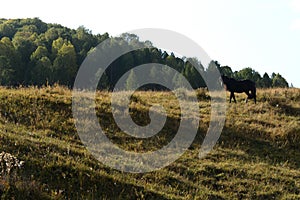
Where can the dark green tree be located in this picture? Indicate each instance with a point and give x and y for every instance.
(7, 30)
(24, 44)
(42, 72)
(131, 82)
(9, 62)
(246, 73)
(227, 71)
(266, 81)
(64, 65)
(6, 71)
(279, 81)
(178, 80)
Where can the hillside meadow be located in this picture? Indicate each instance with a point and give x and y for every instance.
(256, 157)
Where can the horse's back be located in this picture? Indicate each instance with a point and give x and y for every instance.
(238, 86)
(248, 82)
(250, 85)
(242, 86)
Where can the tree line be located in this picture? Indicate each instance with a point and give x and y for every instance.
(36, 53)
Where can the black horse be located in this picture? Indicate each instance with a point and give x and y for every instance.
(246, 86)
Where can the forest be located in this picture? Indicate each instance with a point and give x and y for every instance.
(36, 53)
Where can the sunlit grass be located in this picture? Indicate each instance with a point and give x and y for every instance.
(257, 155)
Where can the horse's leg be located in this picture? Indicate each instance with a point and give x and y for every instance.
(253, 94)
(232, 96)
(249, 96)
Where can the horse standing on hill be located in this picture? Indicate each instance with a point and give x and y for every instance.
(246, 86)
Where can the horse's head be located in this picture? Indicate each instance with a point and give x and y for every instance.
(224, 81)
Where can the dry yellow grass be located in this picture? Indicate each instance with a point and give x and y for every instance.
(257, 156)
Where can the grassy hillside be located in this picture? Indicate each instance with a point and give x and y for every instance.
(257, 156)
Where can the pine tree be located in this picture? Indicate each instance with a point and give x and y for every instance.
(131, 82)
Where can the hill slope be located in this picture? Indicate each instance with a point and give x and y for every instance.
(257, 156)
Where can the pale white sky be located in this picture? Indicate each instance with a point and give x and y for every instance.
(262, 34)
